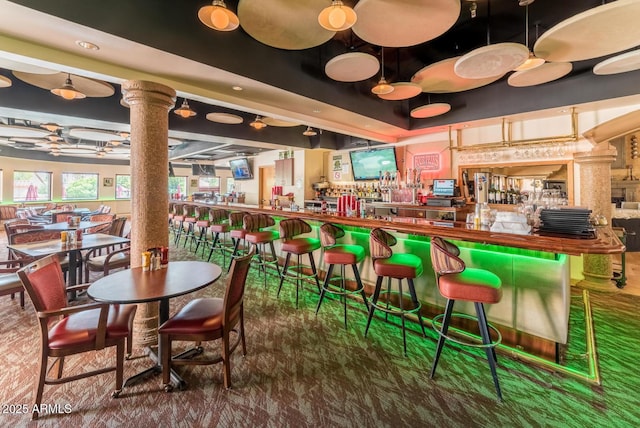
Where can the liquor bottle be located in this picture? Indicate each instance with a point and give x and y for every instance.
(492, 195)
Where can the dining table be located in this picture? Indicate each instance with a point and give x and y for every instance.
(135, 285)
(40, 249)
(82, 225)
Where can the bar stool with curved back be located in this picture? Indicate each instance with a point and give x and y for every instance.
(292, 243)
(255, 234)
(219, 228)
(400, 266)
(458, 282)
(200, 228)
(207, 319)
(191, 217)
(69, 330)
(342, 255)
(174, 213)
(171, 214)
(178, 222)
(237, 233)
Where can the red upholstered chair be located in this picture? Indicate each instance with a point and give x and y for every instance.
(69, 330)
(104, 228)
(388, 264)
(207, 319)
(256, 233)
(457, 282)
(341, 255)
(292, 243)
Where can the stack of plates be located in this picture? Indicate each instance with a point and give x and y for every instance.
(570, 221)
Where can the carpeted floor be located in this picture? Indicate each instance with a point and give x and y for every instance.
(303, 370)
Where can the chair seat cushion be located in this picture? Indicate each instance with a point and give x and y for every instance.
(10, 283)
(196, 317)
(262, 236)
(301, 245)
(238, 233)
(202, 223)
(219, 228)
(399, 266)
(474, 285)
(118, 260)
(80, 328)
(343, 254)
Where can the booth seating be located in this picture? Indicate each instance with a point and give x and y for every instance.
(388, 264)
(254, 233)
(341, 255)
(292, 243)
(457, 282)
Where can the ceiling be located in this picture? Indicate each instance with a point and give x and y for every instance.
(169, 45)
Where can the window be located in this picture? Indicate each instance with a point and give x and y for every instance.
(123, 186)
(209, 184)
(231, 185)
(31, 186)
(79, 186)
(177, 186)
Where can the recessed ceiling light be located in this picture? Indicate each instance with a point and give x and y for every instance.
(237, 88)
(317, 110)
(87, 45)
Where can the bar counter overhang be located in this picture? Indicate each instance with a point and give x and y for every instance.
(533, 314)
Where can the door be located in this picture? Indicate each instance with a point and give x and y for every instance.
(267, 181)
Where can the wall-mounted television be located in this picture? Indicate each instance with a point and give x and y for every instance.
(199, 169)
(444, 187)
(367, 164)
(240, 169)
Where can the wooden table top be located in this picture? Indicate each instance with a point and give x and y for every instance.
(55, 246)
(137, 286)
(65, 226)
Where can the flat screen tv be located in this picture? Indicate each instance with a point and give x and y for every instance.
(203, 170)
(367, 164)
(240, 169)
(444, 187)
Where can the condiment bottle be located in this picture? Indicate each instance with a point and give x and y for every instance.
(146, 260)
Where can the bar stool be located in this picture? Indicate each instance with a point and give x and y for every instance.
(183, 222)
(253, 225)
(289, 229)
(399, 266)
(458, 282)
(199, 228)
(191, 216)
(237, 233)
(176, 221)
(218, 226)
(342, 255)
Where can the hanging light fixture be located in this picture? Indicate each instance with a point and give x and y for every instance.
(258, 123)
(533, 61)
(67, 91)
(51, 127)
(218, 17)
(184, 110)
(337, 17)
(383, 87)
(53, 137)
(309, 132)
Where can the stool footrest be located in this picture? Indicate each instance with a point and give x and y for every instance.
(337, 289)
(393, 309)
(437, 325)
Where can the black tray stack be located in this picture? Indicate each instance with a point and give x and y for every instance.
(567, 221)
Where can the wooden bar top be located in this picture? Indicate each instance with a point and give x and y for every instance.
(605, 241)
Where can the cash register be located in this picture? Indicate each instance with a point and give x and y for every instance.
(445, 194)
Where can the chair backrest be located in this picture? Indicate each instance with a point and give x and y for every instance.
(380, 243)
(329, 234)
(217, 216)
(15, 227)
(445, 257)
(49, 206)
(102, 217)
(255, 222)
(117, 226)
(34, 236)
(67, 207)
(177, 209)
(292, 227)
(234, 293)
(105, 209)
(236, 218)
(188, 210)
(13, 223)
(62, 216)
(44, 282)
(8, 212)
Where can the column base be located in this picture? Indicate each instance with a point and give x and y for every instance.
(145, 331)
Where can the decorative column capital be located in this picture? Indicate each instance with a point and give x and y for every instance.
(602, 153)
(143, 92)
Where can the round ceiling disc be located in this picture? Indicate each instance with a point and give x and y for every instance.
(22, 131)
(78, 150)
(352, 67)
(629, 61)
(440, 78)
(603, 30)
(230, 119)
(404, 23)
(430, 110)
(547, 72)
(279, 122)
(402, 91)
(5, 82)
(284, 24)
(89, 87)
(491, 61)
(26, 68)
(95, 134)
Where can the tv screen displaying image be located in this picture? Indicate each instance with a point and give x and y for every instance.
(367, 164)
(445, 187)
(203, 170)
(240, 169)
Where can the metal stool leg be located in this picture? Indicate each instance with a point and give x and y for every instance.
(372, 305)
(443, 332)
(486, 339)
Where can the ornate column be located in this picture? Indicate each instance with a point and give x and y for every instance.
(149, 104)
(595, 193)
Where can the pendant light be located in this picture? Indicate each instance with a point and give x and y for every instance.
(337, 17)
(258, 123)
(218, 17)
(533, 61)
(383, 87)
(184, 110)
(309, 132)
(67, 91)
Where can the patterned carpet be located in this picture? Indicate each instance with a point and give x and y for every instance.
(302, 370)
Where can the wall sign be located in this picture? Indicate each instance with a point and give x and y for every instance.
(427, 161)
